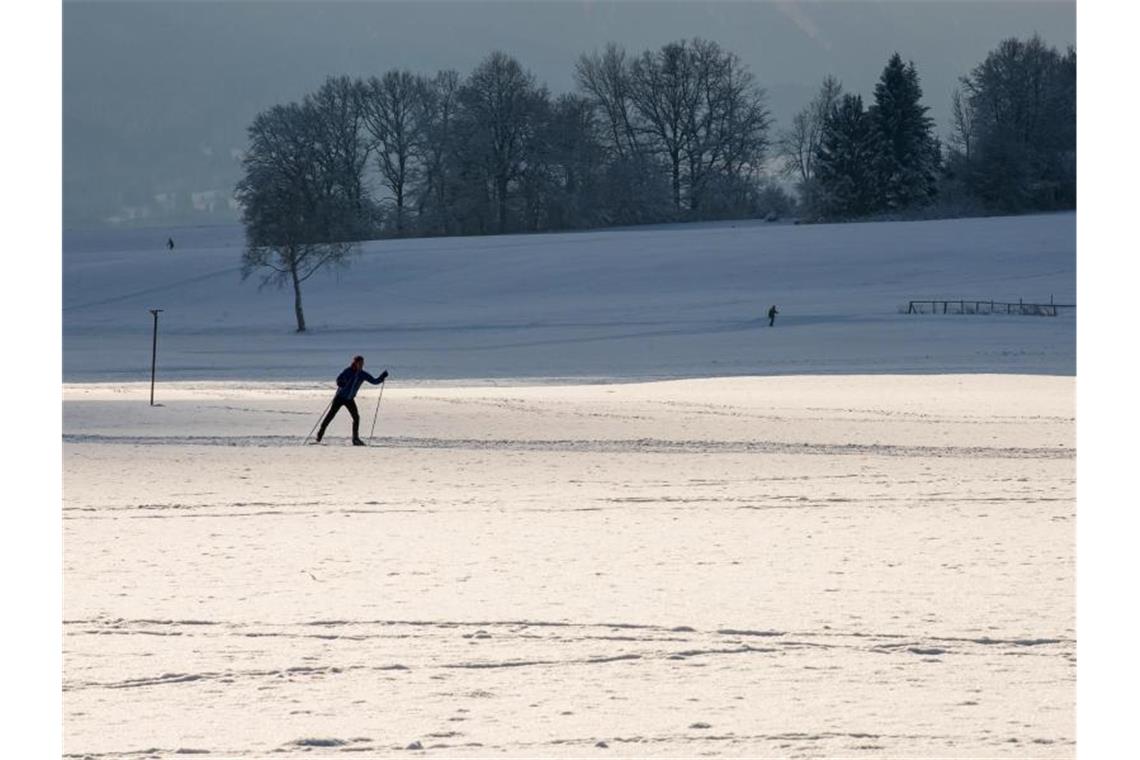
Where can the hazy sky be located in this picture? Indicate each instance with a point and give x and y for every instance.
(157, 94)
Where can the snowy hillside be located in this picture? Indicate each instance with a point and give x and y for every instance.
(675, 301)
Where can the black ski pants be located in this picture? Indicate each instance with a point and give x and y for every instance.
(337, 403)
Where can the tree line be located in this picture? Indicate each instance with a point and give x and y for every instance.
(675, 134)
(1012, 146)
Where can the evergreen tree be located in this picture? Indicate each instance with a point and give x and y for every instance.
(845, 158)
(907, 159)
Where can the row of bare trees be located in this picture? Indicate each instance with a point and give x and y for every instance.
(692, 105)
(670, 134)
(684, 126)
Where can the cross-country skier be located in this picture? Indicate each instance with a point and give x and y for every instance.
(772, 315)
(170, 243)
(348, 383)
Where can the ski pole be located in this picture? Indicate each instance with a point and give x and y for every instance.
(310, 435)
(377, 413)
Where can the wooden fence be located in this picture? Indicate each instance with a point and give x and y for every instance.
(961, 306)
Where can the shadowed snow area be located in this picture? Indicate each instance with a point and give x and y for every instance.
(606, 510)
(676, 301)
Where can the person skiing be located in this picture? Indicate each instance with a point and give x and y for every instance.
(348, 383)
(170, 243)
(772, 315)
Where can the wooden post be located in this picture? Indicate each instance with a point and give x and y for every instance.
(153, 353)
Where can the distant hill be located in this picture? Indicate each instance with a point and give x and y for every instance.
(669, 301)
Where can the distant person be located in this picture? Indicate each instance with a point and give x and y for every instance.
(170, 244)
(348, 383)
(772, 315)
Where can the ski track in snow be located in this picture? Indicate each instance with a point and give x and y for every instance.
(420, 657)
(642, 445)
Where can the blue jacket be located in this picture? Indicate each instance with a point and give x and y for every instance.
(348, 382)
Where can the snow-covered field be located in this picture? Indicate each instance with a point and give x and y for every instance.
(851, 535)
(681, 301)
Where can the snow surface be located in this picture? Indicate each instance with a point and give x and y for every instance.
(662, 302)
(793, 567)
(868, 552)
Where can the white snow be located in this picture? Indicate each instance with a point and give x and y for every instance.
(681, 301)
(852, 536)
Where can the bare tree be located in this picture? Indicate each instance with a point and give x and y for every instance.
(962, 121)
(663, 90)
(728, 122)
(338, 118)
(560, 182)
(299, 211)
(436, 128)
(700, 109)
(634, 188)
(499, 102)
(799, 144)
(795, 146)
(392, 106)
(605, 80)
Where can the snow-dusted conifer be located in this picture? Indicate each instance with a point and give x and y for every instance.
(907, 155)
(844, 163)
